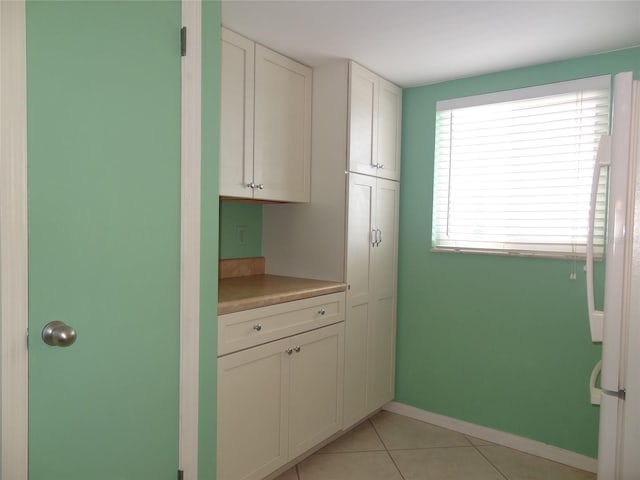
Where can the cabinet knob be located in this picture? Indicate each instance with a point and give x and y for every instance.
(322, 311)
(260, 186)
(288, 351)
(381, 165)
(297, 348)
(251, 185)
(257, 327)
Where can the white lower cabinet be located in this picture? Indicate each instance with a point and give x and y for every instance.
(278, 400)
(253, 405)
(315, 388)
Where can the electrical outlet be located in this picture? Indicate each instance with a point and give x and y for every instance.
(241, 234)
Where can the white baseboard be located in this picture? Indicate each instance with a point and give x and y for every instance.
(510, 440)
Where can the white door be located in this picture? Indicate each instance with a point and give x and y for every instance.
(282, 148)
(363, 120)
(617, 279)
(389, 130)
(382, 325)
(253, 411)
(360, 299)
(315, 393)
(236, 112)
(630, 460)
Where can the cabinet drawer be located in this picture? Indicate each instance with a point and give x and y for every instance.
(240, 330)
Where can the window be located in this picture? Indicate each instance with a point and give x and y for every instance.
(513, 170)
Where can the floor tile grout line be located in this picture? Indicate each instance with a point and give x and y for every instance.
(378, 434)
(349, 451)
(430, 448)
(504, 475)
(396, 465)
(393, 460)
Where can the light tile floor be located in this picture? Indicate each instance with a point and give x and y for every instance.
(394, 447)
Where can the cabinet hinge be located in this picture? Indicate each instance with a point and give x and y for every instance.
(180, 474)
(183, 41)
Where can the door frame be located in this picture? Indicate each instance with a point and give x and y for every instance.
(190, 219)
(14, 242)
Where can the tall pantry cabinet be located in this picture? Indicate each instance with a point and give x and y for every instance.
(349, 230)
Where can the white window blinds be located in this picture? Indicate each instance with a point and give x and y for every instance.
(513, 170)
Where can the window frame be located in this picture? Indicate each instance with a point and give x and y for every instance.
(601, 82)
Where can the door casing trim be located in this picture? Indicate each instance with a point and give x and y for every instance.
(13, 242)
(191, 146)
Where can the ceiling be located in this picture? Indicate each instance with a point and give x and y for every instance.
(420, 42)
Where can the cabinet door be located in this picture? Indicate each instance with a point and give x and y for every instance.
(363, 120)
(359, 295)
(381, 336)
(316, 387)
(282, 147)
(253, 411)
(236, 111)
(389, 130)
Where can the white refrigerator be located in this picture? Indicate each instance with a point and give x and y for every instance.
(618, 325)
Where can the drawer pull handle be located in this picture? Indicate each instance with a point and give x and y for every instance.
(288, 351)
(257, 327)
(297, 349)
(322, 311)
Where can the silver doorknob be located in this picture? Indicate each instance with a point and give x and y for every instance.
(58, 334)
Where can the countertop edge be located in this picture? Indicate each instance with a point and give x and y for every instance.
(233, 306)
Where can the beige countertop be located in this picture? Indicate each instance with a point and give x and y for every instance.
(252, 291)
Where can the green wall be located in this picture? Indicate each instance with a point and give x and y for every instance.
(240, 229)
(493, 340)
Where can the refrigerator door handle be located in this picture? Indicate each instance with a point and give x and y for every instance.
(603, 159)
(596, 393)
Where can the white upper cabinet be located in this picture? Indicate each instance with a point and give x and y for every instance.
(356, 126)
(282, 137)
(375, 116)
(389, 130)
(265, 133)
(363, 120)
(236, 104)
